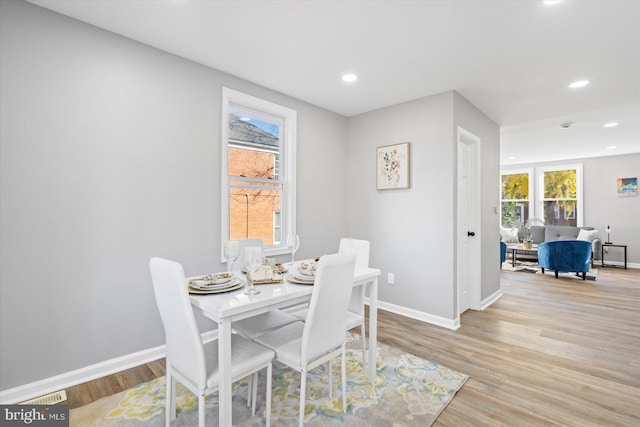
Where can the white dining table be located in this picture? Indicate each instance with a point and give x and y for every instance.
(225, 308)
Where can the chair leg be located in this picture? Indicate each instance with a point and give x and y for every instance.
(268, 396)
(303, 387)
(201, 410)
(344, 379)
(170, 400)
(364, 346)
(542, 268)
(556, 274)
(254, 393)
(249, 390)
(330, 380)
(584, 275)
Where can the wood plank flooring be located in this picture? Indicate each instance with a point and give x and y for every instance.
(550, 352)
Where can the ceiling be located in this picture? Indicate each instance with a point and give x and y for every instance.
(513, 59)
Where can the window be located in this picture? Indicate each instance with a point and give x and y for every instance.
(516, 191)
(560, 194)
(277, 233)
(258, 164)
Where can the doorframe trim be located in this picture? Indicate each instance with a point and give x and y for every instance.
(474, 142)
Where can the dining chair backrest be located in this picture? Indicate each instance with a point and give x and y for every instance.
(324, 329)
(359, 247)
(185, 351)
(246, 243)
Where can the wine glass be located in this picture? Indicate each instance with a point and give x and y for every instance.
(252, 260)
(293, 244)
(231, 253)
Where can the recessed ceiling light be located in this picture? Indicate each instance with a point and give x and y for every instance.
(611, 125)
(551, 2)
(611, 147)
(579, 83)
(512, 157)
(349, 78)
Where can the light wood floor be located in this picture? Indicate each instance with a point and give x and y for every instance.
(549, 352)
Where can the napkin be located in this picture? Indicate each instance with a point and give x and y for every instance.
(266, 275)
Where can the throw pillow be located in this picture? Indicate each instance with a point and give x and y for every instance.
(587, 235)
(509, 235)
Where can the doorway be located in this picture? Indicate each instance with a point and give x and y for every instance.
(468, 236)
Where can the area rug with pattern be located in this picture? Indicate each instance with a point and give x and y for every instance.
(409, 391)
(533, 267)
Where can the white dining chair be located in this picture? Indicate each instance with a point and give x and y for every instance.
(255, 326)
(305, 345)
(246, 243)
(189, 360)
(355, 314)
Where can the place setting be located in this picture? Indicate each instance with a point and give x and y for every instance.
(304, 274)
(214, 283)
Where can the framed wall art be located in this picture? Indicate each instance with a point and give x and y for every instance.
(627, 187)
(392, 167)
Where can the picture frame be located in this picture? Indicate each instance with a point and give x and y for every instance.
(627, 187)
(393, 166)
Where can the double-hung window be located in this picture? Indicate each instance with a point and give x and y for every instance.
(258, 170)
(560, 201)
(516, 196)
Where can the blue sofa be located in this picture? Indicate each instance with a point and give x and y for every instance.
(565, 255)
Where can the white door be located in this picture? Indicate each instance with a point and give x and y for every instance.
(468, 236)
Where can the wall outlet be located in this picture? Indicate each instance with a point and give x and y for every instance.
(391, 278)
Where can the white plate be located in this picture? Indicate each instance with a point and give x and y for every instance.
(227, 288)
(205, 285)
(212, 281)
(300, 280)
(307, 269)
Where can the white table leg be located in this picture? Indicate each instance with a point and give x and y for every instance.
(373, 330)
(224, 359)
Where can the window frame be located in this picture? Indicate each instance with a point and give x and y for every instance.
(540, 193)
(235, 99)
(530, 190)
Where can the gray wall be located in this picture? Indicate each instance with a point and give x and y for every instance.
(110, 154)
(412, 231)
(602, 206)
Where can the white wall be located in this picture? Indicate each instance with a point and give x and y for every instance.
(110, 154)
(602, 206)
(412, 231)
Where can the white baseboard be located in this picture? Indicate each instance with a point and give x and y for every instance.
(490, 299)
(418, 315)
(88, 373)
(597, 264)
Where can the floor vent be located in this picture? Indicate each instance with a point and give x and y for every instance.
(49, 399)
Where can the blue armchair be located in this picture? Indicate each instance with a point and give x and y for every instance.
(503, 253)
(565, 255)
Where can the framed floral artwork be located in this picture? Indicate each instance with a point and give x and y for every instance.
(393, 166)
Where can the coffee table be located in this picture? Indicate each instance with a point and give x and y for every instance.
(522, 250)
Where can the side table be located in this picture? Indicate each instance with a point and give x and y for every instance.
(612, 245)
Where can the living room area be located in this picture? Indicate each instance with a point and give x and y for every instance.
(590, 199)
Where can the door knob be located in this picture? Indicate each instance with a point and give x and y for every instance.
(471, 233)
